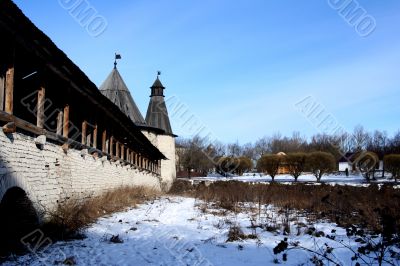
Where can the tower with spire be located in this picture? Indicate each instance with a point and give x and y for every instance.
(156, 127)
(157, 113)
(159, 130)
(115, 89)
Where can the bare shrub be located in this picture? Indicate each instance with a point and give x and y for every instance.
(73, 215)
(181, 187)
(392, 165)
(344, 205)
(366, 162)
(236, 234)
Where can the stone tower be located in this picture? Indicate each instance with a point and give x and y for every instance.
(156, 127)
(159, 131)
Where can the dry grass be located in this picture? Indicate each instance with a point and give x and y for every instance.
(345, 205)
(73, 215)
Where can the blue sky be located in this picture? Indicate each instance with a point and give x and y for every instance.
(239, 67)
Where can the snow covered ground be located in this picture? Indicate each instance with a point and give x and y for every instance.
(352, 180)
(185, 231)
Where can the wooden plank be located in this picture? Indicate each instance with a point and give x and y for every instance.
(95, 137)
(59, 123)
(104, 141)
(20, 123)
(84, 132)
(40, 108)
(2, 81)
(89, 140)
(66, 121)
(117, 154)
(9, 91)
(10, 127)
(66, 126)
(111, 146)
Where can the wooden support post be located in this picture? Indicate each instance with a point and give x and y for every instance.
(104, 141)
(40, 108)
(2, 86)
(59, 123)
(66, 121)
(95, 137)
(9, 91)
(111, 146)
(128, 158)
(89, 140)
(66, 125)
(122, 151)
(84, 132)
(117, 154)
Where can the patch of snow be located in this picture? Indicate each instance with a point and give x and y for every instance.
(177, 231)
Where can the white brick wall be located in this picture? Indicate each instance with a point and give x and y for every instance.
(50, 174)
(166, 144)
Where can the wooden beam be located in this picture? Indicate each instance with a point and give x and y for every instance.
(20, 123)
(66, 121)
(59, 123)
(95, 137)
(117, 154)
(66, 126)
(104, 141)
(111, 146)
(9, 91)
(2, 83)
(84, 132)
(89, 140)
(10, 127)
(40, 108)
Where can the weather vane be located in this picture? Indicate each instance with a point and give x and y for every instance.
(158, 73)
(117, 56)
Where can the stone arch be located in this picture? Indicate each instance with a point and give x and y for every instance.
(9, 180)
(18, 219)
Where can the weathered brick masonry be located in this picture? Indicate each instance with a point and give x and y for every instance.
(50, 174)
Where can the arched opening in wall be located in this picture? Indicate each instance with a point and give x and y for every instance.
(17, 219)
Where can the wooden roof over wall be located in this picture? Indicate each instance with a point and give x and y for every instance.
(23, 32)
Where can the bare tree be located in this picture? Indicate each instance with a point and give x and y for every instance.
(296, 163)
(320, 163)
(360, 138)
(269, 164)
(262, 146)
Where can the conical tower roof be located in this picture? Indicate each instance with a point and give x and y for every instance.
(115, 89)
(157, 114)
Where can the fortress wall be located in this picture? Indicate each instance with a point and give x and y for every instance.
(51, 174)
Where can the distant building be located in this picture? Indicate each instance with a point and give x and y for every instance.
(283, 168)
(348, 161)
